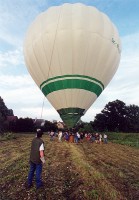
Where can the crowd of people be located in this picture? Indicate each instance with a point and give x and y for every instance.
(79, 137)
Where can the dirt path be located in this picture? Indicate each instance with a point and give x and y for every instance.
(61, 178)
(72, 172)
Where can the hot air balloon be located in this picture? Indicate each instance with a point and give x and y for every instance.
(72, 52)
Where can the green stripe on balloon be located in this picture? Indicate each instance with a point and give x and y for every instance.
(72, 84)
(71, 116)
(72, 76)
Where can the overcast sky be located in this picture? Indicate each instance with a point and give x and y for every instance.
(18, 89)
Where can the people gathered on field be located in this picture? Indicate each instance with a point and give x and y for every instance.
(76, 137)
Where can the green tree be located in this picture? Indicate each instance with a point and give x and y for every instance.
(133, 118)
(112, 117)
(100, 122)
(2, 119)
(83, 127)
(48, 126)
(24, 125)
(4, 112)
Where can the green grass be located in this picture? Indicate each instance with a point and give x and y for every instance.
(129, 139)
(7, 136)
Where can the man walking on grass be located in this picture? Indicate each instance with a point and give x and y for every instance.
(36, 160)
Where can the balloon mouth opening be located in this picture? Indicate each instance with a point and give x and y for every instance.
(71, 116)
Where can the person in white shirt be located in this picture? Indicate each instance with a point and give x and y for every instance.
(105, 138)
(36, 160)
(100, 138)
(60, 136)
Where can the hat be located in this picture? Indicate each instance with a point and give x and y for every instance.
(39, 132)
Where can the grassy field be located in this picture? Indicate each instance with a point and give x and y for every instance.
(129, 139)
(85, 171)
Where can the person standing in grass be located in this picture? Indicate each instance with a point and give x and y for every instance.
(60, 136)
(81, 136)
(100, 139)
(97, 138)
(105, 138)
(52, 135)
(36, 160)
(76, 138)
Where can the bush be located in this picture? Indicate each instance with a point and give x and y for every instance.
(7, 136)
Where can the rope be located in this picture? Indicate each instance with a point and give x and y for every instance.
(42, 107)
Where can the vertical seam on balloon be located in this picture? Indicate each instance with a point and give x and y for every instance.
(54, 45)
(88, 50)
(60, 65)
(54, 41)
(36, 57)
(57, 48)
(72, 49)
(43, 45)
(101, 14)
(61, 68)
(59, 97)
(61, 73)
(89, 105)
(86, 59)
(80, 82)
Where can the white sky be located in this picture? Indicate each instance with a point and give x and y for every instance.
(17, 88)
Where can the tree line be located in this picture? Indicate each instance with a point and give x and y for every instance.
(116, 116)
(4, 112)
(29, 125)
(21, 124)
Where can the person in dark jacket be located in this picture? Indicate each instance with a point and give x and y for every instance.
(36, 160)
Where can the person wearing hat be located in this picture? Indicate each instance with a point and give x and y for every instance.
(36, 160)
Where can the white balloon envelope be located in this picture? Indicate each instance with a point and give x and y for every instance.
(72, 52)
